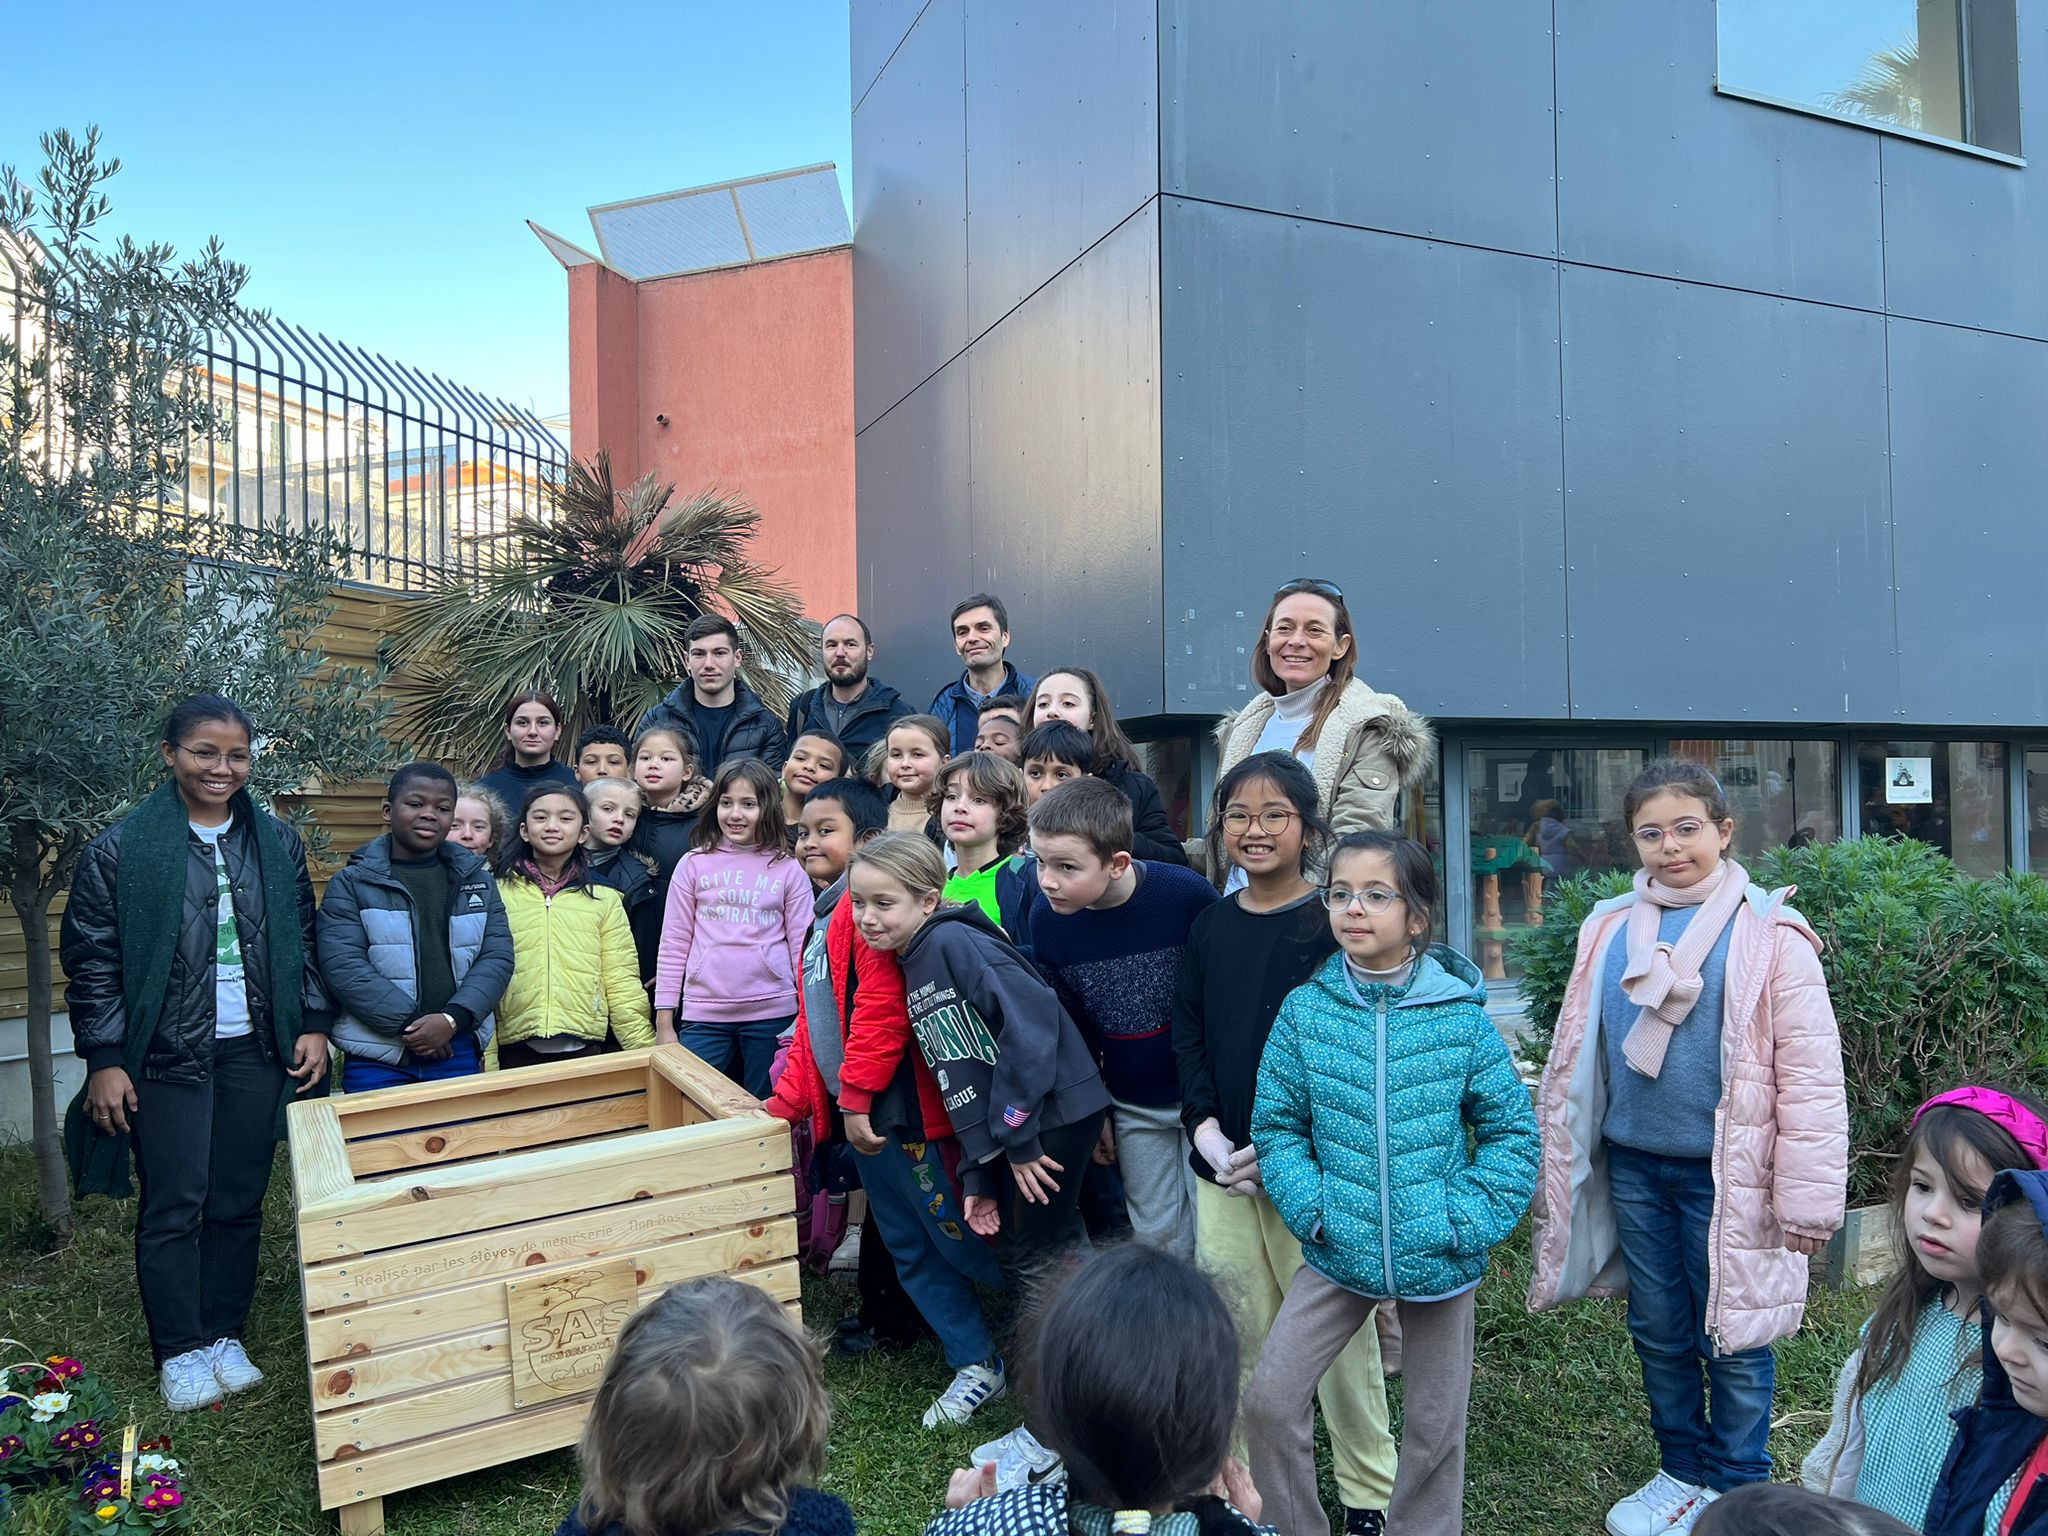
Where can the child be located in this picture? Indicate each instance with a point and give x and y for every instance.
(1397, 1143)
(665, 768)
(853, 1050)
(718, 1374)
(1076, 695)
(999, 728)
(481, 821)
(839, 816)
(1110, 935)
(1693, 984)
(602, 752)
(573, 974)
(813, 758)
(532, 724)
(614, 817)
(1135, 1366)
(1245, 953)
(1996, 1478)
(1021, 1089)
(979, 805)
(1922, 1352)
(733, 936)
(413, 944)
(1775, 1509)
(1055, 754)
(911, 756)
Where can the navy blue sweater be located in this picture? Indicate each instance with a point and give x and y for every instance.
(810, 1514)
(1116, 967)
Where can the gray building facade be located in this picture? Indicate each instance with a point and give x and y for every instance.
(1639, 396)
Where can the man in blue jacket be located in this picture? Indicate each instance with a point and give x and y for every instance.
(981, 634)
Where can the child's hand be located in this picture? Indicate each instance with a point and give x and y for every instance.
(1104, 1154)
(1034, 1182)
(861, 1132)
(1215, 1148)
(1244, 1170)
(1235, 1484)
(1806, 1245)
(984, 1216)
(428, 1036)
(971, 1483)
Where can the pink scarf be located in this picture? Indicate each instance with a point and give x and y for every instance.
(1664, 979)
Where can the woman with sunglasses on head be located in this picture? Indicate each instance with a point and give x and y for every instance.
(197, 1008)
(1361, 747)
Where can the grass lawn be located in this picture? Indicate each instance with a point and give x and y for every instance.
(1558, 1425)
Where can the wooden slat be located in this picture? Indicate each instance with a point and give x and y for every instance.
(487, 1093)
(708, 1088)
(320, 1160)
(442, 1202)
(468, 1450)
(436, 1146)
(505, 1251)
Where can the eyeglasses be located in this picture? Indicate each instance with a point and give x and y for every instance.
(1686, 831)
(1375, 899)
(1273, 820)
(1313, 584)
(209, 757)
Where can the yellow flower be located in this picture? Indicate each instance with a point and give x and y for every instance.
(106, 1511)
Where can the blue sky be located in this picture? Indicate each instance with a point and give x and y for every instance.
(374, 163)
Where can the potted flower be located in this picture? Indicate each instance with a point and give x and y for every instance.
(55, 1416)
(154, 1501)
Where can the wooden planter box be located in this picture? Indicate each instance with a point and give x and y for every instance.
(1860, 1253)
(469, 1248)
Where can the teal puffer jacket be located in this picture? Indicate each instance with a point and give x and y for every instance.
(1366, 1095)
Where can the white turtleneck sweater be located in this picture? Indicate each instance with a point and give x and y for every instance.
(1290, 715)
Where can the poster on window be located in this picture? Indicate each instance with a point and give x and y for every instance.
(1909, 781)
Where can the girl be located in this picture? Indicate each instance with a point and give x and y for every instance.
(1694, 1088)
(188, 952)
(1922, 1352)
(1076, 695)
(574, 972)
(1376, 1075)
(481, 820)
(1022, 1090)
(1244, 954)
(716, 1370)
(733, 938)
(979, 806)
(1133, 1339)
(814, 758)
(671, 796)
(532, 723)
(911, 756)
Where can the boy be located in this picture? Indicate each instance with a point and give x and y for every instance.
(413, 944)
(981, 817)
(1054, 754)
(614, 816)
(999, 728)
(1110, 934)
(838, 816)
(602, 752)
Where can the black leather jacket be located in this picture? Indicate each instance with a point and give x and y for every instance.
(182, 1051)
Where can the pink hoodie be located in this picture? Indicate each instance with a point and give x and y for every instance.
(733, 938)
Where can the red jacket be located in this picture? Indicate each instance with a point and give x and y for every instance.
(877, 1039)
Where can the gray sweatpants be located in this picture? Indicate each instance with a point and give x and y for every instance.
(1316, 1321)
(1159, 1186)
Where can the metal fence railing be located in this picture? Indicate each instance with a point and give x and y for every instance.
(408, 466)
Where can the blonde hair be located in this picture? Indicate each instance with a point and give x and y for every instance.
(908, 858)
(494, 810)
(712, 1409)
(611, 784)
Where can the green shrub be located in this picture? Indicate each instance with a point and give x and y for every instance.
(1937, 978)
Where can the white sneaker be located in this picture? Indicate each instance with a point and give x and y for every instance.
(1020, 1460)
(972, 1386)
(1657, 1508)
(846, 1257)
(1702, 1497)
(188, 1382)
(232, 1367)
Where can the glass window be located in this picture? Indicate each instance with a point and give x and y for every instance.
(2037, 812)
(1171, 762)
(1778, 791)
(1539, 814)
(1938, 67)
(1948, 793)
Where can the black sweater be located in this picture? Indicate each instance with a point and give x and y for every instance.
(1152, 835)
(1238, 968)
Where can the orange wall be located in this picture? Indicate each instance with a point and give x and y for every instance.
(753, 366)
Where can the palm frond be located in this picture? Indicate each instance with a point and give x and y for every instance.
(1887, 90)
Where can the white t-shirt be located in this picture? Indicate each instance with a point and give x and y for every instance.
(230, 991)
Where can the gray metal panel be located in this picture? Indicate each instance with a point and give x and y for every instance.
(1728, 526)
(915, 539)
(1418, 118)
(665, 235)
(1658, 174)
(787, 214)
(1065, 453)
(876, 28)
(1062, 137)
(910, 216)
(1376, 410)
(1966, 240)
(1970, 500)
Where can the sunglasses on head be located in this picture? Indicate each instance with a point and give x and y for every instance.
(1313, 584)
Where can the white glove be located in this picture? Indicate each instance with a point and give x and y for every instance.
(1216, 1149)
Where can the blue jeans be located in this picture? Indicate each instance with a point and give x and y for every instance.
(914, 1197)
(359, 1074)
(1663, 1207)
(743, 1049)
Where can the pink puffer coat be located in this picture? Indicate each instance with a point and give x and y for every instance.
(1781, 1130)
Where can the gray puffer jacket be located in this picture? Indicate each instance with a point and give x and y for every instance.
(369, 951)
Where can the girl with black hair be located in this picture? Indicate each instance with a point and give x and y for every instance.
(1077, 696)
(188, 951)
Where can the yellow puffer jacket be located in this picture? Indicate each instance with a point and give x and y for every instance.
(574, 970)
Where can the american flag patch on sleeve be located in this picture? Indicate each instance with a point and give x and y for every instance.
(1013, 1116)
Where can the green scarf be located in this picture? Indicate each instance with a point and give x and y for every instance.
(149, 904)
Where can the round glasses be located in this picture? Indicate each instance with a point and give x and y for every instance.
(1272, 820)
(1375, 899)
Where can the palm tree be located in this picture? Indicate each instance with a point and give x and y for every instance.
(1888, 89)
(589, 602)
